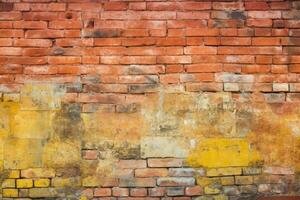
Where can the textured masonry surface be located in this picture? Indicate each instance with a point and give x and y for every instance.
(149, 100)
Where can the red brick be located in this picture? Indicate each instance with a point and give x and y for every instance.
(138, 60)
(74, 42)
(90, 60)
(115, 6)
(157, 192)
(249, 50)
(48, 7)
(7, 33)
(150, 172)
(250, 69)
(10, 51)
(208, 87)
(196, 15)
(107, 41)
(194, 191)
(85, 6)
(137, 182)
(11, 69)
(135, 33)
(227, 5)
(11, 15)
(40, 70)
(64, 60)
(280, 5)
(137, 6)
(264, 14)
(174, 68)
(30, 25)
(279, 69)
(294, 68)
(259, 22)
(173, 59)
(202, 32)
(44, 34)
(138, 41)
(171, 41)
(6, 7)
(102, 192)
(110, 24)
(138, 192)
(194, 50)
(165, 162)
(197, 77)
(256, 5)
(6, 42)
(235, 41)
(65, 24)
(191, 24)
(37, 16)
(204, 68)
(263, 59)
(176, 33)
(162, 6)
(120, 192)
(169, 78)
(32, 43)
(265, 41)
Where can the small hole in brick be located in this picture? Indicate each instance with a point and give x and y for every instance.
(90, 24)
(69, 15)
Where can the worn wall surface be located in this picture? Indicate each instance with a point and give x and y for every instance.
(155, 100)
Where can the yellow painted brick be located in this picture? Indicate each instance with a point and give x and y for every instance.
(24, 183)
(42, 182)
(10, 192)
(243, 180)
(9, 183)
(227, 180)
(224, 171)
(14, 174)
(204, 181)
(211, 190)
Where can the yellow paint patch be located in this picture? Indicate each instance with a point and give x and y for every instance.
(32, 124)
(221, 152)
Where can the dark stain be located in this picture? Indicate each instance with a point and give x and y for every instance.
(69, 15)
(68, 171)
(73, 87)
(142, 88)
(67, 123)
(236, 15)
(127, 151)
(102, 33)
(6, 7)
(128, 108)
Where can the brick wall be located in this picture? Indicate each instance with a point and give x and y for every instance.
(149, 100)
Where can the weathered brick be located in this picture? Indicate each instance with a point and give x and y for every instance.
(150, 172)
(165, 162)
(120, 192)
(138, 192)
(137, 182)
(102, 192)
(194, 191)
(243, 180)
(175, 181)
